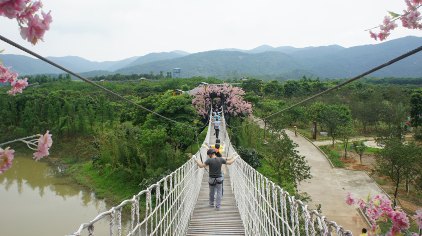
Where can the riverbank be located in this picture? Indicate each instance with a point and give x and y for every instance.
(76, 164)
(52, 205)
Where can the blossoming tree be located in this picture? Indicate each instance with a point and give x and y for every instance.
(228, 96)
(33, 23)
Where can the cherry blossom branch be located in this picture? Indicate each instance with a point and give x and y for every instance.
(410, 19)
(26, 12)
(32, 25)
(20, 140)
(41, 145)
(394, 18)
(7, 76)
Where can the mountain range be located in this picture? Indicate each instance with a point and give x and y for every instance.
(265, 61)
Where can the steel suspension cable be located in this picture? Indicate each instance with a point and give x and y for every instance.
(6, 40)
(414, 51)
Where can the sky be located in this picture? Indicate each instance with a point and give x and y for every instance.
(101, 30)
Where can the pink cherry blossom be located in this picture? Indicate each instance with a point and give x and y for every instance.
(44, 144)
(400, 221)
(6, 158)
(230, 97)
(18, 85)
(29, 11)
(350, 200)
(36, 28)
(32, 24)
(7, 76)
(12, 8)
(411, 18)
(418, 218)
(378, 209)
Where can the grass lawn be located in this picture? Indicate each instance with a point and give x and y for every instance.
(334, 155)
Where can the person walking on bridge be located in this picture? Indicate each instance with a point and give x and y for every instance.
(216, 178)
(217, 146)
(216, 123)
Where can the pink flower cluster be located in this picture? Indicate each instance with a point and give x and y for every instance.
(6, 158)
(385, 29)
(418, 218)
(33, 26)
(231, 98)
(410, 19)
(378, 209)
(7, 76)
(44, 144)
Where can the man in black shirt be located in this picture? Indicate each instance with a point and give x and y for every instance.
(216, 178)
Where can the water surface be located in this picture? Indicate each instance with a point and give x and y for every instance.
(35, 201)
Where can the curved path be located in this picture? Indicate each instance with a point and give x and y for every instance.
(329, 186)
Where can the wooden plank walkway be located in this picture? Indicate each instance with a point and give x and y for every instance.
(208, 221)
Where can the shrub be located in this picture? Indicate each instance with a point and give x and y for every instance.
(251, 156)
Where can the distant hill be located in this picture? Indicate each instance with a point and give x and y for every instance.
(222, 64)
(27, 65)
(265, 61)
(151, 57)
(288, 62)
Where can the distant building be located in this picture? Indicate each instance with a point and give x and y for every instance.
(176, 72)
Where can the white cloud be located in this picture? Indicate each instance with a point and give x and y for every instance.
(112, 30)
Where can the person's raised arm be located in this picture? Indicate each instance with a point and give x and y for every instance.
(230, 161)
(200, 165)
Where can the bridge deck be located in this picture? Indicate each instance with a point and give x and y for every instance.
(207, 221)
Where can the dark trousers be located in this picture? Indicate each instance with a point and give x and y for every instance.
(217, 131)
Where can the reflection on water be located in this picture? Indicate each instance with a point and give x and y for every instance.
(35, 202)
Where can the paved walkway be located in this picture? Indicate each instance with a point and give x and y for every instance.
(329, 186)
(328, 142)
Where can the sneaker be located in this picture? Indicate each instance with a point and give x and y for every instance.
(211, 205)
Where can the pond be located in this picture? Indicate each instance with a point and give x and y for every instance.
(34, 200)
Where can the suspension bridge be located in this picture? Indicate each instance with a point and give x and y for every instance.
(178, 205)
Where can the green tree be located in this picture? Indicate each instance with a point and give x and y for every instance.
(273, 89)
(250, 156)
(397, 161)
(314, 114)
(346, 131)
(334, 118)
(253, 85)
(394, 116)
(416, 109)
(292, 88)
(416, 113)
(285, 160)
(360, 148)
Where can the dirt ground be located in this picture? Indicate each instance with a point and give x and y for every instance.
(409, 202)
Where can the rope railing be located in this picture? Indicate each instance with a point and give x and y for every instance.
(267, 209)
(168, 205)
